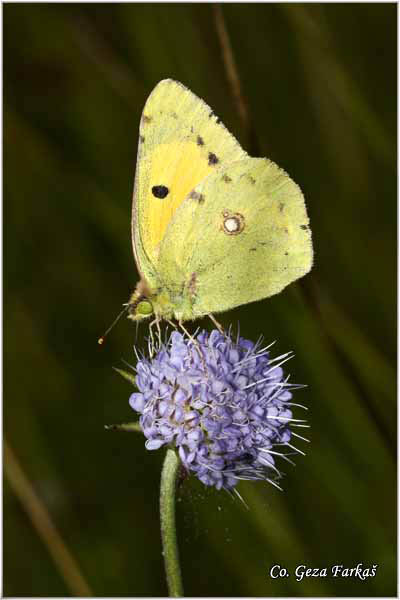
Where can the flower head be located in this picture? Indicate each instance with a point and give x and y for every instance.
(223, 403)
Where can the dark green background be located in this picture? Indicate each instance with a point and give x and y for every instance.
(320, 82)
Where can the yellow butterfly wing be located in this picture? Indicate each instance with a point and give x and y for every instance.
(181, 142)
(246, 239)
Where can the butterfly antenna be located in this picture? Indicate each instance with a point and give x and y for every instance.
(103, 337)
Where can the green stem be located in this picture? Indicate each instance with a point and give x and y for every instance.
(168, 526)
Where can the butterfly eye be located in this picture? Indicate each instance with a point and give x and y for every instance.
(144, 308)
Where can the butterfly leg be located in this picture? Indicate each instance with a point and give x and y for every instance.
(151, 340)
(195, 344)
(155, 322)
(218, 325)
(158, 329)
(185, 331)
(173, 325)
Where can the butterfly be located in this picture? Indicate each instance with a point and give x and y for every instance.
(212, 228)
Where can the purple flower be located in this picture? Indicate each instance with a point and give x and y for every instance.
(223, 403)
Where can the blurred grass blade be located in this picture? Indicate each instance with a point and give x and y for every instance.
(322, 64)
(372, 369)
(42, 522)
(230, 66)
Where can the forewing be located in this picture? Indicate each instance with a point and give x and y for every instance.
(181, 142)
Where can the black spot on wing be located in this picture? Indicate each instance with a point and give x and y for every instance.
(212, 159)
(146, 119)
(160, 191)
(141, 138)
(226, 179)
(304, 227)
(192, 284)
(196, 196)
(200, 141)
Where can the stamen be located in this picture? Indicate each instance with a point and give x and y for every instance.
(301, 437)
(275, 484)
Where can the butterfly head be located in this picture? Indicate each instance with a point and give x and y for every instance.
(140, 308)
(139, 305)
